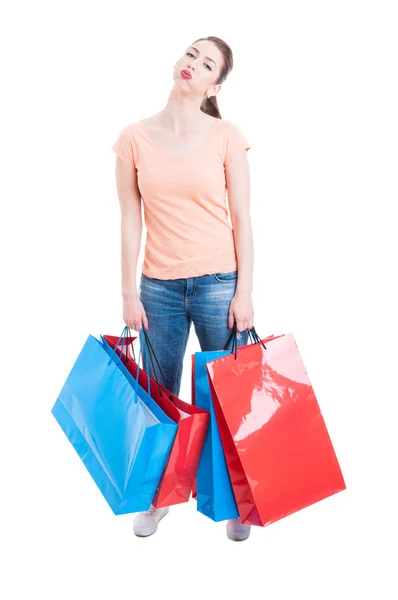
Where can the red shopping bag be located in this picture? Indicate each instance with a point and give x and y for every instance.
(178, 477)
(279, 453)
(225, 435)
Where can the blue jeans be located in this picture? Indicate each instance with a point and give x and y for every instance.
(172, 304)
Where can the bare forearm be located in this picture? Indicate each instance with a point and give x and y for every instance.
(131, 231)
(243, 236)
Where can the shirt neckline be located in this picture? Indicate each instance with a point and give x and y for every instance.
(189, 154)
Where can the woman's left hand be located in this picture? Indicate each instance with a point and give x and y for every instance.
(241, 311)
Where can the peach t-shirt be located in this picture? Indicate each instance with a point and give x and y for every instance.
(185, 210)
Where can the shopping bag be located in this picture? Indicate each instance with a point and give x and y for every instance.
(213, 490)
(178, 476)
(278, 449)
(193, 403)
(193, 397)
(121, 435)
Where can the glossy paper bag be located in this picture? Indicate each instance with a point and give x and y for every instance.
(121, 435)
(213, 491)
(193, 403)
(178, 477)
(279, 452)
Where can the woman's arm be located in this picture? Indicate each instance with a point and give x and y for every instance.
(237, 174)
(131, 225)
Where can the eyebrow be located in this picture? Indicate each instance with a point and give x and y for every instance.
(207, 57)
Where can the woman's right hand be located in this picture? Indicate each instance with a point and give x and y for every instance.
(134, 314)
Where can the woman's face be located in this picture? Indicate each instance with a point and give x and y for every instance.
(203, 61)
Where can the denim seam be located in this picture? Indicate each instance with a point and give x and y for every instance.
(224, 280)
(195, 293)
(178, 360)
(189, 300)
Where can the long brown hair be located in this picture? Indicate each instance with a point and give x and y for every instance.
(209, 105)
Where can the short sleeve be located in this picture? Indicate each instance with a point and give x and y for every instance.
(236, 141)
(124, 146)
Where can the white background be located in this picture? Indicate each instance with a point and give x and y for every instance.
(314, 88)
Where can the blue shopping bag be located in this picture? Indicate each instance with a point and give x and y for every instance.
(123, 438)
(214, 493)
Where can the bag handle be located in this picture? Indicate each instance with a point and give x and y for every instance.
(142, 345)
(152, 356)
(149, 350)
(122, 337)
(126, 330)
(157, 361)
(255, 338)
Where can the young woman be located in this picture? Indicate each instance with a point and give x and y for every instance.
(180, 162)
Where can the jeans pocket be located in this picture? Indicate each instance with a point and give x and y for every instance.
(225, 277)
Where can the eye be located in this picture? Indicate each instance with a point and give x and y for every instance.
(190, 54)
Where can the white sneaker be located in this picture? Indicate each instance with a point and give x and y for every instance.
(146, 523)
(237, 531)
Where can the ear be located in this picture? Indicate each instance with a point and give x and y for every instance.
(215, 90)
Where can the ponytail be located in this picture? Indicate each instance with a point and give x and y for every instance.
(210, 107)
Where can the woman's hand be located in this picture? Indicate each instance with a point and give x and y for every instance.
(241, 311)
(134, 313)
